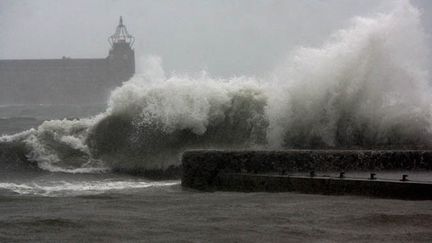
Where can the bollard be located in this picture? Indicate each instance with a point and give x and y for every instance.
(312, 174)
(372, 176)
(404, 177)
(342, 175)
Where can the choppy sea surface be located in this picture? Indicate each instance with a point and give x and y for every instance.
(164, 212)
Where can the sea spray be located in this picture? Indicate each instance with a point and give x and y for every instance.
(365, 87)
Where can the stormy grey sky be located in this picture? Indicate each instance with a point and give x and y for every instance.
(224, 37)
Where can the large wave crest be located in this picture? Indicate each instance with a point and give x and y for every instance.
(365, 87)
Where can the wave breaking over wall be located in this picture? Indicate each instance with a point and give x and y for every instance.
(366, 87)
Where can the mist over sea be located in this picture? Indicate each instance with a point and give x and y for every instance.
(367, 86)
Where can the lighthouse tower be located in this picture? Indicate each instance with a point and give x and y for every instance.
(121, 56)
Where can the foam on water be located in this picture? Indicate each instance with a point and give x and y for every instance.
(366, 86)
(65, 188)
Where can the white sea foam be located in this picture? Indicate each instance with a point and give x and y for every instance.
(65, 188)
(369, 81)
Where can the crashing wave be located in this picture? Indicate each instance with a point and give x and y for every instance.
(366, 87)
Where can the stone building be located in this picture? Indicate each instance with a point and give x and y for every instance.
(68, 80)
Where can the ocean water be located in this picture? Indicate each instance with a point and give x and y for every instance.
(71, 179)
(171, 214)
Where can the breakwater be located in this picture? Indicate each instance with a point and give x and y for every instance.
(77, 81)
(211, 170)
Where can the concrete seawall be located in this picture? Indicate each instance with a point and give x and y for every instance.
(211, 170)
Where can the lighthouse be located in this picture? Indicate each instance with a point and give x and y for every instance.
(121, 56)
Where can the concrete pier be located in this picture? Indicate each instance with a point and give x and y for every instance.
(325, 185)
(211, 170)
